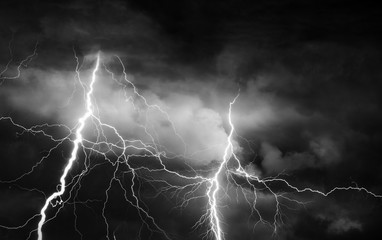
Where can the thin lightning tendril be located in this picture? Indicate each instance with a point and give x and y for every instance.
(22, 63)
(195, 185)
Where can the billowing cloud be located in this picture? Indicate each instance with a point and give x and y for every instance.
(322, 152)
(191, 129)
(342, 225)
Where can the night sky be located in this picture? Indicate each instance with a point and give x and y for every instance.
(308, 76)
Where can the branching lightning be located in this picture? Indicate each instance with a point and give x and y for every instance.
(214, 187)
(73, 157)
(195, 185)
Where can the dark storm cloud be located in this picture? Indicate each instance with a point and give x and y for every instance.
(107, 25)
(334, 218)
(314, 91)
(86, 26)
(310, 102)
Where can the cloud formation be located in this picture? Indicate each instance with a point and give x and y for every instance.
(344, 225)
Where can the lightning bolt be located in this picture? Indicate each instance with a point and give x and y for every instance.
(73, 157)
(229, 172)
(214, 187)
(239, 171)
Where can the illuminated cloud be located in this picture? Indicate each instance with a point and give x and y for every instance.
(54, 94)
(342, 225)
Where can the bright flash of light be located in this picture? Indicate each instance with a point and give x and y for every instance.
(195, 184)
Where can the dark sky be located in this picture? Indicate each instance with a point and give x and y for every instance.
(309, 77)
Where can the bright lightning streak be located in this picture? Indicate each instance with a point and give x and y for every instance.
(73, 157)
(214, 188)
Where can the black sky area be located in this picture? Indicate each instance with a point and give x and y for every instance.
(310, 80)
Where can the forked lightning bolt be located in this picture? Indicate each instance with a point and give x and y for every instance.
(213, 189)
(239, 171)
(196, 184)
(73, 157)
